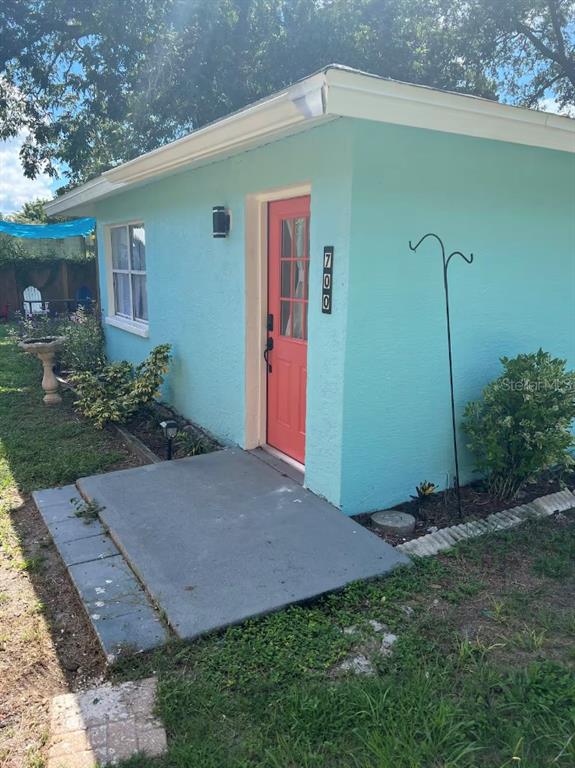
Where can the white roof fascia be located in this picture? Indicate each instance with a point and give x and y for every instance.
(364, 96)
(81, 196)
(290, 108)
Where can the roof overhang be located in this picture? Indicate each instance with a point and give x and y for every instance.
(335, 92)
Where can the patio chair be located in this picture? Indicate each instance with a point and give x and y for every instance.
(33, 302)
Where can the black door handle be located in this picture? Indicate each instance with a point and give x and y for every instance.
(267, 349)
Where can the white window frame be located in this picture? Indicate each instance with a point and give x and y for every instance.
(127, 323)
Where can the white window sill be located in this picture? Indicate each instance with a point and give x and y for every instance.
(132, 326)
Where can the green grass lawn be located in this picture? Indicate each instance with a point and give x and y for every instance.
(45, 644)
(482, 673)
(41, 446)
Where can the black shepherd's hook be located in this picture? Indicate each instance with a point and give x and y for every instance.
(469, 260)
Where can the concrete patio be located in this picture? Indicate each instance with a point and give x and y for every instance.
(219, 538)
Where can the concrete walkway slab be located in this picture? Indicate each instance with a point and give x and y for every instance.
(222, 537)
(121, 613)
(86, 549)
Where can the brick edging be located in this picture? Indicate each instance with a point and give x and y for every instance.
(446, 538)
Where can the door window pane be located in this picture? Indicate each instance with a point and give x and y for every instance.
(285, 325)
(286, 279)
(300, 249)
(300, 280)
(138, 243)
(298, 320)
(287, 228)
(122, 294)
(120, 258)
(139, 297)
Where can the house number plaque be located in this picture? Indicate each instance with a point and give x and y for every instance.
(327, 279)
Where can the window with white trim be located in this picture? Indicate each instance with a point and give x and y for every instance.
(128, 243)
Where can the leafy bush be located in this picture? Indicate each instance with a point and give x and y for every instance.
(84, 347)
(35, 327)
(522, 424)
(118, 391)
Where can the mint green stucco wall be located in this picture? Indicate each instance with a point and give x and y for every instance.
(378, 418)
(514, 207)
(196, 286)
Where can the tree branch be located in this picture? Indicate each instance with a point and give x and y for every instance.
(556, 24)
(567, 66)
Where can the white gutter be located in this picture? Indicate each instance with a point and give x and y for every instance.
(360, 95)
(335, 92)
(298, 104)
(84, 194)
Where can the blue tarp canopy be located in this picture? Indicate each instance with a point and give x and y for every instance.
(74, 228)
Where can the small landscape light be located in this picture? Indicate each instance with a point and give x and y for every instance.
(171, 429)
(220, 221)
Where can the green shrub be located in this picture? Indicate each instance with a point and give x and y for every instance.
(522, 424)
(35, 327)
(118, 391)
(84, 347)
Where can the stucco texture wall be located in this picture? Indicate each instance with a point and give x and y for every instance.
(196, 286)
(514, 207)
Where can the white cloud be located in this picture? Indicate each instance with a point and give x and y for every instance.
(15, 188)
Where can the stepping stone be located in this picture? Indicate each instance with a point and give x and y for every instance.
(55, 504)
(105, 724)
(73, 527)
(393, 521)
(117, 606)
(90, 548)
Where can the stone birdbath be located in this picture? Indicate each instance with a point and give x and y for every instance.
(45, 350)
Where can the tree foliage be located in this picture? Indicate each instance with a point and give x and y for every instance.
(32, 212)
(529, 45)
(96, 82)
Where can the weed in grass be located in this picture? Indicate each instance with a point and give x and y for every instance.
(555, 566)
(529, 639)
(463, 590)
(497, 612)
(37, 608)
(32, 564)
(557, 557)
(552, 620)
(473, 650)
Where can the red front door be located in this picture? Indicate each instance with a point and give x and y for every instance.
(288, 263)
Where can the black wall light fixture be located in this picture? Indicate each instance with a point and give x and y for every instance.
(220, 221)
(446, 260)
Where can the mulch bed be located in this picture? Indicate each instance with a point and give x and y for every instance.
(145, 425)
(190, 441)
(441, 510)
